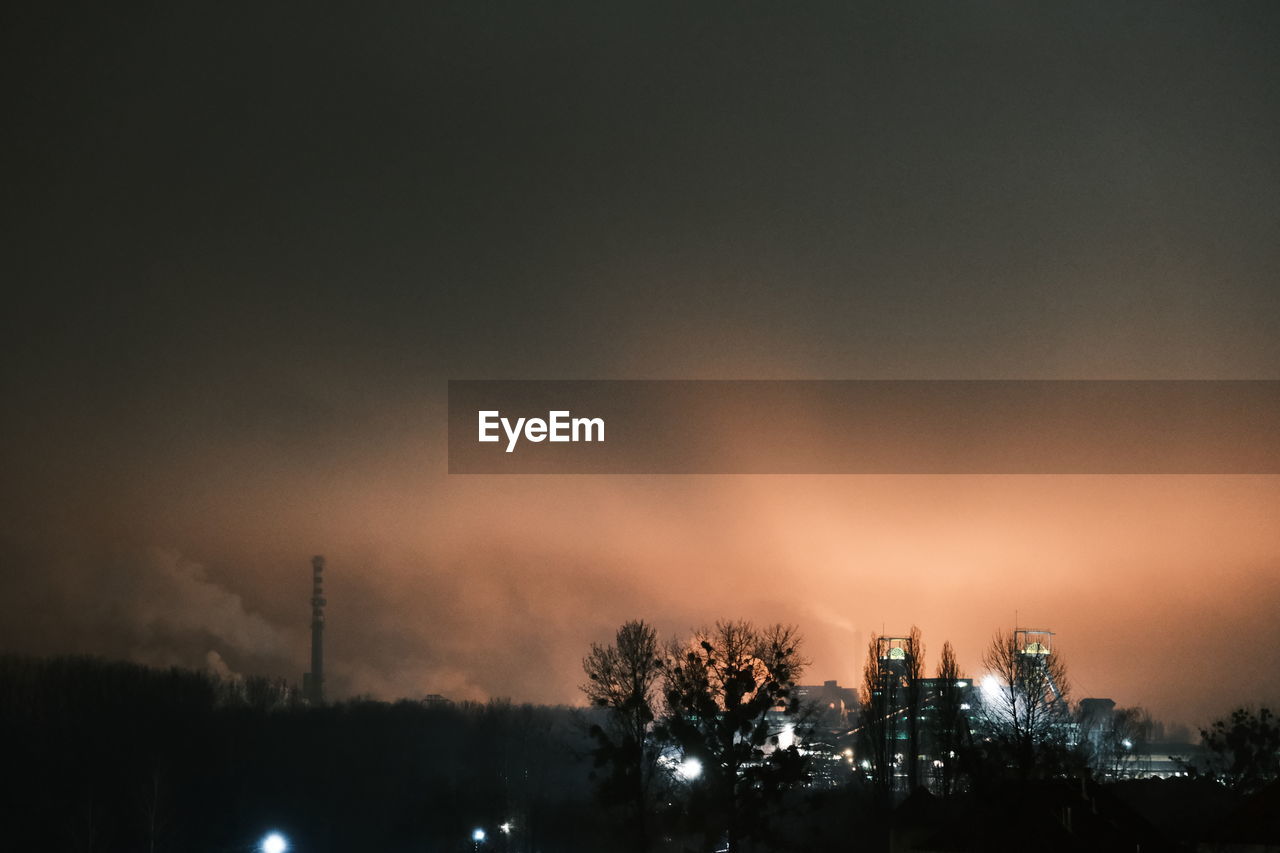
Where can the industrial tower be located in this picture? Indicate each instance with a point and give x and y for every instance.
(895, 703)
(313, 681)
(1034, 649)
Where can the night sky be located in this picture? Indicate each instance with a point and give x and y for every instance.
(245, 246)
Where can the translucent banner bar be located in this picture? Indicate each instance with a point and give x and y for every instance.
(864, 427)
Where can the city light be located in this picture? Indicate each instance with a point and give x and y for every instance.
(274, 843)
(690, 768)
(506, 828)
(478, 835)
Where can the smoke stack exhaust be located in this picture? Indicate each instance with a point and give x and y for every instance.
(313, 681)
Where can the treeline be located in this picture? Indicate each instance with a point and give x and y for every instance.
(103, 756)
(702, 743)
(707, 744)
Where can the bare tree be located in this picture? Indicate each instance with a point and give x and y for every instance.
(1111, 740)
(725, 690)
(1024, 709)
(623, 678)
(878, 719)
(1130, 732)
(950, 725)
(914, 673)
(891, 708)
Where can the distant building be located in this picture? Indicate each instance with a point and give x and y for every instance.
(834, 711)
(834, 706)
(1096, 713)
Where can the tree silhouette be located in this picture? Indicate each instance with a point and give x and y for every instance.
(914, 699)
(1025, 716)
(728, 692)
(1110, 741)
(83, 740)
(875, 738)
(1243, 750)
(892, 698)
(950, 723)
(623, 678)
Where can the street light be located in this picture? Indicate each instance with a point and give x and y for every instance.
(478, 837)
(274, 843)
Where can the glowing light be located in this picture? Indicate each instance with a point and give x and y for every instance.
(477, 836)
(990, 685)
(506, 828)
(962, 684)
(274, 843)
(1128, 744)
(690, 768)
(787, 736)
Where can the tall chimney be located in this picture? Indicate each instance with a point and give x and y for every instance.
(313, 681)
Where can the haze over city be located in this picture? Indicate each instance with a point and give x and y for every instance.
(247, 248)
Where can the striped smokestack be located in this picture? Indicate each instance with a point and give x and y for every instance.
(313, 681)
